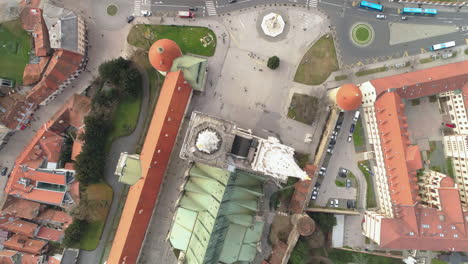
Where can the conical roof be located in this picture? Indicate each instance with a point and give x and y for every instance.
(162, 53)
(349, 97)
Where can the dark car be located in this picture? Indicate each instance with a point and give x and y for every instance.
(351, 204)
(351, 129)
(130, 19)
(232, 1)
(192, 8)
(4, 171)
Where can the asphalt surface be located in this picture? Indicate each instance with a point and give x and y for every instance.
(342, 14)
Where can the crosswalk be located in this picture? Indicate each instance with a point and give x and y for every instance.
(210, 8)
(137, 7)
(313, 3)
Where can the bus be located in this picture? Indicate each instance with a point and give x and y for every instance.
(418, 11)
(185, 14)
(440, 46)
(371, 6)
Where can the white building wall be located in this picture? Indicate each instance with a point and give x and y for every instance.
(457, 111)
(456, 147)
(371, 226)
(368, 94)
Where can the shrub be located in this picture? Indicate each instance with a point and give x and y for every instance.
(273, 62)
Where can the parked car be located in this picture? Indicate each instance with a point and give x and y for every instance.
(351, 129)
(348, 183)
(332, 203)
(351, 204)
(232, 1)
(333, 137)
(381, 16)
(337, 203)
(313, 197)
(4, 171)
(322, 171)
(330, 149)
(130, 19)
(404, 18)
(332, 142)
(315, 193)
(192, 8)
(317, 184)
(316, 188)
(350, 137)
(356, 116)
(146, 13)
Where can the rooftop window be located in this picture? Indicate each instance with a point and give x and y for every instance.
(425, 226)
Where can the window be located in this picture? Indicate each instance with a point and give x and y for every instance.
(439, 226)
(425, 226)
(453, 227)
(455, 235)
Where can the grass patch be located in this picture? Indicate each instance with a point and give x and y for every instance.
(318, 62)
(301, 159)
(188, 38)
(112, 10)
(426, 60)
(15, 45)
(437, 261)
(449, 167)
(124, 118)
(466, 51)
(303, 108)
(362, 34)
(339, 183)
(338, 256)
(415, 102)
(341, 77)
(370, 195)
(358, 135)
(371, 71)
(100, 195)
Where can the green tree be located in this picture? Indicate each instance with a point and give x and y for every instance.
(273, 62)
(299, 253)
(326, 222)
(74, 232)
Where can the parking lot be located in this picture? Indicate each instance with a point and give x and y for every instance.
(341, 156)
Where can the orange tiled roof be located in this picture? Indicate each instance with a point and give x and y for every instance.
(50, 234)
(30, 3)
(31, 259)
(55, 216)
(45, 144)
(72, 113)
(349, 97)
(20, 227)
(54, 260)
(63, 63)
(41, 39)
(30, 17)
(15, 110)
(75, 191)
(25, 244)
(41, 196)
(425, 82)
(394, 139)
(33, 72)
(21, 208)
(163, 53)
(413, 158)
(142, 196)
(9, 256)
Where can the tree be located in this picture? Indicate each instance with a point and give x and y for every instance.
(273, 62)
(326, 222)
(74, 232)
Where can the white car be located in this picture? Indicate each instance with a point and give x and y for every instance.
(332, 203)
(381, 16)
(314, 197)
(337, 203)
(146, 13)
(350, 137)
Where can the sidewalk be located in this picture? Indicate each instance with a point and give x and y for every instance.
(415, 65)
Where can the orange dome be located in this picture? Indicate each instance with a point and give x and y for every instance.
(162, 53)
(349, 97)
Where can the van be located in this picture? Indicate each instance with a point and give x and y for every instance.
(185, 14)
(356, 116)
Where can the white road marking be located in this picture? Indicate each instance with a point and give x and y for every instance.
(211, 8)
(336, 5)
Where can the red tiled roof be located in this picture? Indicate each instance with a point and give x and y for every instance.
(394, 139)
(55, 216)
(30, 3)
(16, 110)
(167, 118)
(41, 196)
(425, 82)
(163, 53)
(25, 244)
(349, 97)
(75, 191)
(413, 158)
(20, 227)
(50, 234)
(30, 17)
(72, 113)
(9, 256)
(41, 39)
(54, 260)
(31, 259)
(33, 72)
(62, 64)
(21, 208)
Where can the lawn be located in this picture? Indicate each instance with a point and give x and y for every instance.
(15, 45)
(339, 183)
(100, 195)
(370, 195)
(338, 256)
(125, 118)
(362, 34)
(426, 60)
(449, 168)
(303, 108)
(318, 63)
(189, 39)
(112, 10)
(358, 135)
(436, 261)
(341, 77)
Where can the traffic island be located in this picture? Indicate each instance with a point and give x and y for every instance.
(362, 34)
(112, 10)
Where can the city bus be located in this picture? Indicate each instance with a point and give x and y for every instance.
(440, 46)
(371, 6)
(418, 11)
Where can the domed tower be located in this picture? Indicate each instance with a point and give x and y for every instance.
(348, 97)
(162, 53)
